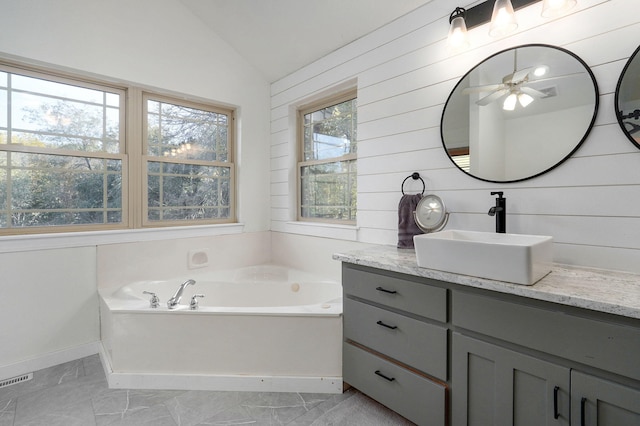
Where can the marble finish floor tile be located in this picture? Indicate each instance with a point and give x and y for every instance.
(76, 394)
(118, 404)
(360, 410)
(46, 378)
(269, 409)
(7, 411)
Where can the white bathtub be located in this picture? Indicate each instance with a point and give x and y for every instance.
(264, 328)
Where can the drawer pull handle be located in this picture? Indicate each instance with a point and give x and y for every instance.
(384, 290)
(390, 379)
(392, 327)
(555, 402)
(583, 404)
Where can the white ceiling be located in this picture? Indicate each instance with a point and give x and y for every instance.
(279, 37)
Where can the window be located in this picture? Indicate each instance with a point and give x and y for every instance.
(61, 153)
(327, 168)
(188, 162)
(461, 157)
(65, 164)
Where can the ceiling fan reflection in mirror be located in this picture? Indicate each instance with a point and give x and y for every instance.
(515, 87)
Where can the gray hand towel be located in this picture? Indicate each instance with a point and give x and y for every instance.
(407, 227)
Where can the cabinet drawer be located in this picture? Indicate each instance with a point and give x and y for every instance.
(414, 297)
(418, 344)
(606, 345)
(415, 397)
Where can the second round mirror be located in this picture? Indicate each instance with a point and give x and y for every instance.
(628, 98)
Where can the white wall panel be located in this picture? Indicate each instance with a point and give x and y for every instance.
(281, 175)
(403, 142)
(405, 73)
(279, 150)
(49, 303)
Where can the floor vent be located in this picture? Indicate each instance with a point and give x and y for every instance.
(15, 380)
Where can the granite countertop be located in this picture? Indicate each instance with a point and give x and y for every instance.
(601, 290)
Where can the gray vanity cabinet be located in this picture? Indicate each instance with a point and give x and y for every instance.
(497, 386)
(395, 343)
(412, 342)
(519, 362)
(599, 402)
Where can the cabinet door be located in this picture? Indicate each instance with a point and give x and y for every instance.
(492, 385)
(596, 401)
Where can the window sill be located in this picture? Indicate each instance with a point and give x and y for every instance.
(17, 243)
(327, 230)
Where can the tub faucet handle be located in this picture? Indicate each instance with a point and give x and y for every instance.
(154, 301)
(194, 301)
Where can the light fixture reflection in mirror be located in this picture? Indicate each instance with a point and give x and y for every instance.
(519, 113)
(627, 100)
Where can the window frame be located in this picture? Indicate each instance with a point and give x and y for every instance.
(230, 113)
(325, 102)
(73, 80)
(132, 149)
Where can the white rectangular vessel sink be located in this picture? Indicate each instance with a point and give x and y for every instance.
(514, 258)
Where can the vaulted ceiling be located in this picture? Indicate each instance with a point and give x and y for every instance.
(279, 37)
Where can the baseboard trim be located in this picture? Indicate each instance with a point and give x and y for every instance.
(49, 360)
(332, 385)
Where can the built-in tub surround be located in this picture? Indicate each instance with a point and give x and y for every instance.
(262, 328)
(595, 289)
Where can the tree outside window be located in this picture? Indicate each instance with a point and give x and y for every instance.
(327, 170)
(61, 153)
(189, 168)
(65, 164)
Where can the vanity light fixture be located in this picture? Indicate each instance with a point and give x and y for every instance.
(555, 8)
(501, 14)
(458, 37)
(503, 19)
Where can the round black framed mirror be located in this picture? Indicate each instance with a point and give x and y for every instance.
(519, 113)
(627, 100)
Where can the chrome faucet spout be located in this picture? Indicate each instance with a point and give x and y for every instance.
(175, 300)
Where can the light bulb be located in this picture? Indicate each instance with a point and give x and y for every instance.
(524, 99)
(510, 103)
(540, 70)
(503, 19)
(458, 37)
(554, 8)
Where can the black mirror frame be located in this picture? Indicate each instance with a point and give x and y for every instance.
(634, 56)
(577, 146)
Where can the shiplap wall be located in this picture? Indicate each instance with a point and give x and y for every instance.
(404, 73)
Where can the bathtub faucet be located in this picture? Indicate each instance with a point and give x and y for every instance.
(175, 300)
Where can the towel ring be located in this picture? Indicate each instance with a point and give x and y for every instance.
(414, 176)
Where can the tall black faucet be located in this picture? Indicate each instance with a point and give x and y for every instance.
(501, 209)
